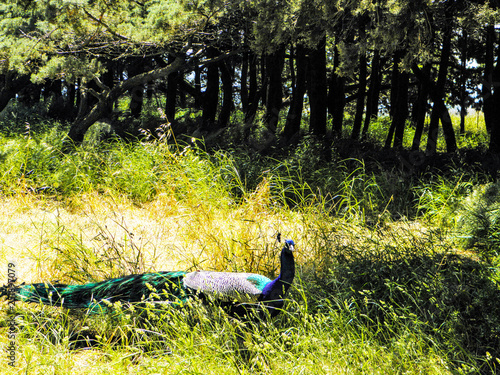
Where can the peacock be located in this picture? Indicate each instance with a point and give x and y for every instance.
(235, 291)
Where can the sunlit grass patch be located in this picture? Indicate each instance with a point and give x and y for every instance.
(474, 136)
(354, 302)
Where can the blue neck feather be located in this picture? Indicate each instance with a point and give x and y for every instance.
(276, 289)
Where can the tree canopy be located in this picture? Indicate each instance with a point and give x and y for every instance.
(303, 64)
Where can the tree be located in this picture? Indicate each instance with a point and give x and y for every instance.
(227, 90)
(109, 95)
(211, 95)
(336, 96)
(294, 117)
(90, 55)
(317, 87)
(439, 110)
(487, 89)
(360, 101)
(12, 84)
(173, 80)
(71, 40)
(274, 67)
(420, 108)
(399, 101)
(372, 101)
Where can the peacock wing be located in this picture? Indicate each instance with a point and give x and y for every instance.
(227, 286)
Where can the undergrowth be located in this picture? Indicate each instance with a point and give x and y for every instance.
(374, 292)
(384, 309)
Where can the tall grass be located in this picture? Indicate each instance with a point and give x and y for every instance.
(143, 170)
(372, 295)
(381, 309)
(204, 341)
(138, 170)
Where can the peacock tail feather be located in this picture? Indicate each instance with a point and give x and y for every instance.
(133, 288)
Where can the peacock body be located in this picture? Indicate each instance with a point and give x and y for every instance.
(233, 289)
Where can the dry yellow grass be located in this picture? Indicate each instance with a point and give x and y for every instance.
(169, 235)
(33, 228)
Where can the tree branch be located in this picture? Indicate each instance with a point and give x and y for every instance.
(101, 85)
(101, 22)
(80, 126)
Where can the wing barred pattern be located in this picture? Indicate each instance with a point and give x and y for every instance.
(227, 286)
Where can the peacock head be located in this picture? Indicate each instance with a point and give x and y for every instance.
(290, 245)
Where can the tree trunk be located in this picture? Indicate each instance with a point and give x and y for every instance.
(69, 106)
(395, 88)
(294, 117)
(373, 93)
(399, 102)
(253, 90)
(360, 103)
(401, 110)
(134, 68)
(264, 79)
(11, 86)
(210, 97)
(449, 132)
(420, 110)
(463, 80)
(336, 97)
(198, 97)
(227, 97)
(432, 135)
(494, 115)
(439, 110)
(274, 68)
(244, 82)
(317, 88)
(494, 145)
(291, 59)
(487, 89)
(172, 89)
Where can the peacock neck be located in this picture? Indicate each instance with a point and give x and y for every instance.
(277, 288)
(287, 267)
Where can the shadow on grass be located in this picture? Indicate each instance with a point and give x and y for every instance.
(451, 300)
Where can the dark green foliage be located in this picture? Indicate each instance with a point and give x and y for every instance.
(478, 223)
(449, 300)
(96, 61)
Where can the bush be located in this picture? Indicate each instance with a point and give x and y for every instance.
(478, 223)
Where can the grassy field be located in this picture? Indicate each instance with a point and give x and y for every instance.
(396, 274)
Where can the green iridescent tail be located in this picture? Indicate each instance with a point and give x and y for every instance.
(160, 286)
